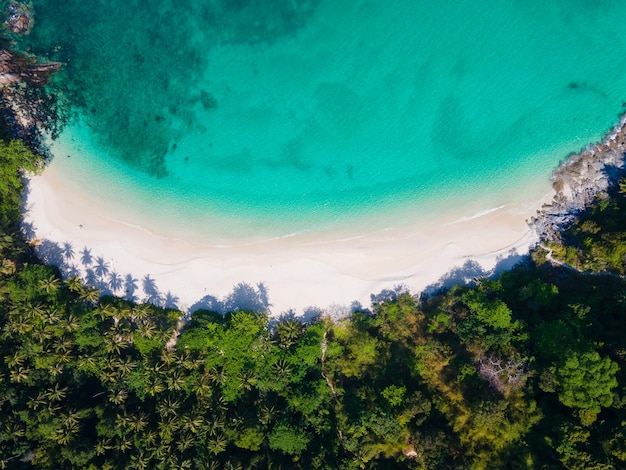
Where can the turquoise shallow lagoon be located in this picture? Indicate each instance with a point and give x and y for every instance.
(274, 117)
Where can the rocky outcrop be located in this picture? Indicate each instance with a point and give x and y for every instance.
(19, 68)
(19, 18)
(580, 180)
(27, 109)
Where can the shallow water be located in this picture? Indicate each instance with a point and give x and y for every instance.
(271, 117)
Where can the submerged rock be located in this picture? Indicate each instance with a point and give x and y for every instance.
(19, 24)
(28, 110)
(16, 68)
(19, 19)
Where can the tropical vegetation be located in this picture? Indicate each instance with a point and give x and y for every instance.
(527, 370)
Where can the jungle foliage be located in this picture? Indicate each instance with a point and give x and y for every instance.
(524, 371)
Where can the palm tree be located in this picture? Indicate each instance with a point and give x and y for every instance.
(217, 444)
(184, 464)
(202, 389)
(63, 344)
(51, 410)
(55, 370)
(17, 359)
(138, 422)
(20, 325)
(36, 311)
(50, 284)
(141, 311)
(192, 424)
(175, 382)
(90, 294)
(289, 331)
(125, 444)
(87, 362)
(121, 421)
(70, 426)
(186, 362)
(71, 324)
(41, 335)
(102, 446)
(139, 461)
(168, 407)
(155, 387)
(266, 414)
(7, 267)
(147, 329)
(52, 317)
(65, 357)
(71, 418)
(37, 402)
(168, 357)
(125, 367)
(107, 375)
(114, 343)
(106, 311)
(119, 397)
(150, 438)
(167, 428)
(281, 368)
(20, 374)
(232, 465)
(64, 435)
(74, 284)
(12, 245)
(57, 393)
(185, 442)
(247, 379)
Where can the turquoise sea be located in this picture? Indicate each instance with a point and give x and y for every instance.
(270, 117)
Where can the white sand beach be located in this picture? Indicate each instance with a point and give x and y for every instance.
(298, 273)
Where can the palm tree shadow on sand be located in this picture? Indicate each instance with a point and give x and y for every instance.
(470, 271)
(85, 257)
(243, 297)
(95, 272)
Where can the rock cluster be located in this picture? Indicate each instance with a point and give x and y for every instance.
(27, 109)
(580, 180)
(19, 19)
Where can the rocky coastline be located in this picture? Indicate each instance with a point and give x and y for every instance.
(580, 180)
(27, 109)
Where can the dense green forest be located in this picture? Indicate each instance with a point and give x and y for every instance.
(524, 371)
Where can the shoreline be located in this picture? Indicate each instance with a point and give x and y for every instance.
(303, 274)
(580, 179)
(83, 235)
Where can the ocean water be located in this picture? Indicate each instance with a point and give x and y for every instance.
(273, 117)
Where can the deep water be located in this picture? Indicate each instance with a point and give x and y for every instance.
(298, 113)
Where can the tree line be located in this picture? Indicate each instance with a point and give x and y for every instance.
(523, 371)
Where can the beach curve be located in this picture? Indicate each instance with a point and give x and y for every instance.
(299, 273)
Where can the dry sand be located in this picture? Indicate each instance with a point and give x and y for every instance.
(300, 273)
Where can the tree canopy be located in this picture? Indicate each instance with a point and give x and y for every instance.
(523, 371)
